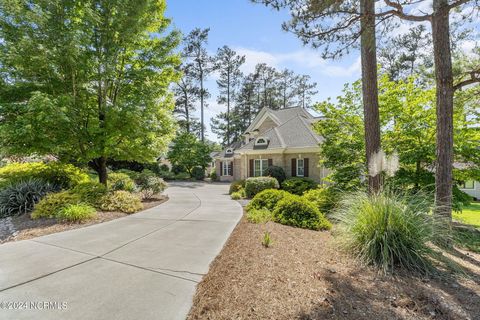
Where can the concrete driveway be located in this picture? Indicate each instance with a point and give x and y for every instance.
(144, 266)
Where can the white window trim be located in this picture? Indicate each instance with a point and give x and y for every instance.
(225, 165)
(303, 166)
(464, 186)
(229, 151)
(262, 169)
(264, 143)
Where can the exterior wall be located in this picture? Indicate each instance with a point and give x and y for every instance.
(218, 167)
(475, 192)
(314, 171)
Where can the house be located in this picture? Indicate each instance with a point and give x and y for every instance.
(471, 188)
(283, 138)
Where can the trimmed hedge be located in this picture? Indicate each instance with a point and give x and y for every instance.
(275, 172)
(267, 199)
(258, 184)
(198, 173)
(297, 212)
(298, 186)
(62, 176)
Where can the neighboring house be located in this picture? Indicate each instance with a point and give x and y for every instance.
(283, 138)
(471, 188)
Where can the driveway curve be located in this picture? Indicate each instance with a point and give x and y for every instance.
(144, 266)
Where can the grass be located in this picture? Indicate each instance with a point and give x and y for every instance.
(469, 215)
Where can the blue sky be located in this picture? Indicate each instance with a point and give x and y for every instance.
(255, 31)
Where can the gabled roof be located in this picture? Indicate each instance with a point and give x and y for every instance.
(278, 116)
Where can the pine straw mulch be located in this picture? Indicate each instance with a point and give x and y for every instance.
(303, 275)
(28, 228)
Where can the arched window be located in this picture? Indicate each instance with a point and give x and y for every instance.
(261, 141)
(229, 151)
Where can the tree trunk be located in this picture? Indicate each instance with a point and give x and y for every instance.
(201, 107)
(444, 82)
(100, 166)
(187, 115)
(228, 108)
(370, 87)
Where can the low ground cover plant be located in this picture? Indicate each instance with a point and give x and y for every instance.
(295, 211)
(259, 215)
(121, 200)
(258, 184)
(298, 186)
(76, 213)
(21, 196)
(49, 206)
(387, 230)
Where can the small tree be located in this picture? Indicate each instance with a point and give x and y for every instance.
(188, 152)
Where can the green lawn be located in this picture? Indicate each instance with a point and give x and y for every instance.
(469, 215)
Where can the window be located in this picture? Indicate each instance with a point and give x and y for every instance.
(261, 141)
(227, 168)
(469, 184)
(229, 151)
(259, 166)
(300, 167)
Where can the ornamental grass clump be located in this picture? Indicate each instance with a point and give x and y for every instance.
(387, 230)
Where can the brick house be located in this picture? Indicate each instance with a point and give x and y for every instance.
(283, 138)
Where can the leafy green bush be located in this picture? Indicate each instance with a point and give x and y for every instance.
(57, 174)
(235, 186)
(460, 199)
(50, 205)
(164, 167)
(276, 172)
(120, 181)
(167, 175)
(20, 197)
(236, 195)
(132, 174)
(257, 184)
(90, 192)
(267, 199)
(259, 215)
(178, 169)
(298, 186)
(182, 176)
(198, 173)
(213, 176)
(149, 184)
(76, 213)
(295, 211)
(121, 200)
(387, 230)
(324, 198)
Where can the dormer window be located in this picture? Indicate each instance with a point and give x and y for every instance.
(261, 141)
(229, 151)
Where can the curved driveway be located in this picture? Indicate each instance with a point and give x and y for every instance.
(144, 266)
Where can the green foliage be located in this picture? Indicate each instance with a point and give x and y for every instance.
(298, 186)
(50, 205)
(90, 192)
(236, 186)
(93, 84)
(295, 211)
(259, 215)
(20, 197)
(164, 167)
(460, 199)
(257, 184)
(213, 176)
(198, 173)
(188, 152)
(120, 181)
(167, 175)
(132, 174)
(236, 195)
(275, 172)
(267, 239)
(387, 230)
(149, 184)
(182, 176)
(121, 200)
(76, 213)
(267, 199)
(176, 169)
(324, 198)
(57, 174)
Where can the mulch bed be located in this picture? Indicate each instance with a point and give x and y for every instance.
(28, 228)
(304, 275)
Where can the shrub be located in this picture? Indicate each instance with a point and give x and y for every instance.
(132, 174)
(121, 200)
(178, 169)
(236, 195)
(298, 185)
(236, 186)
(182, 176)
(295, 211)
(259, 215)
(198, 173)
(90, 192)
(57, 174)
(213, 176)
(323, 198)
(276, 172)
(267, 199)
(21, 197)
(386, 230)
(460, 199)
(149, 184)
(255, 185)
(50, 205)
(120, 181)
(167, 175)
(164, 167)
(76, 213)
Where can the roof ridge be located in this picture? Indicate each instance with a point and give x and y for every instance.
(282, 142)
(310, 130)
